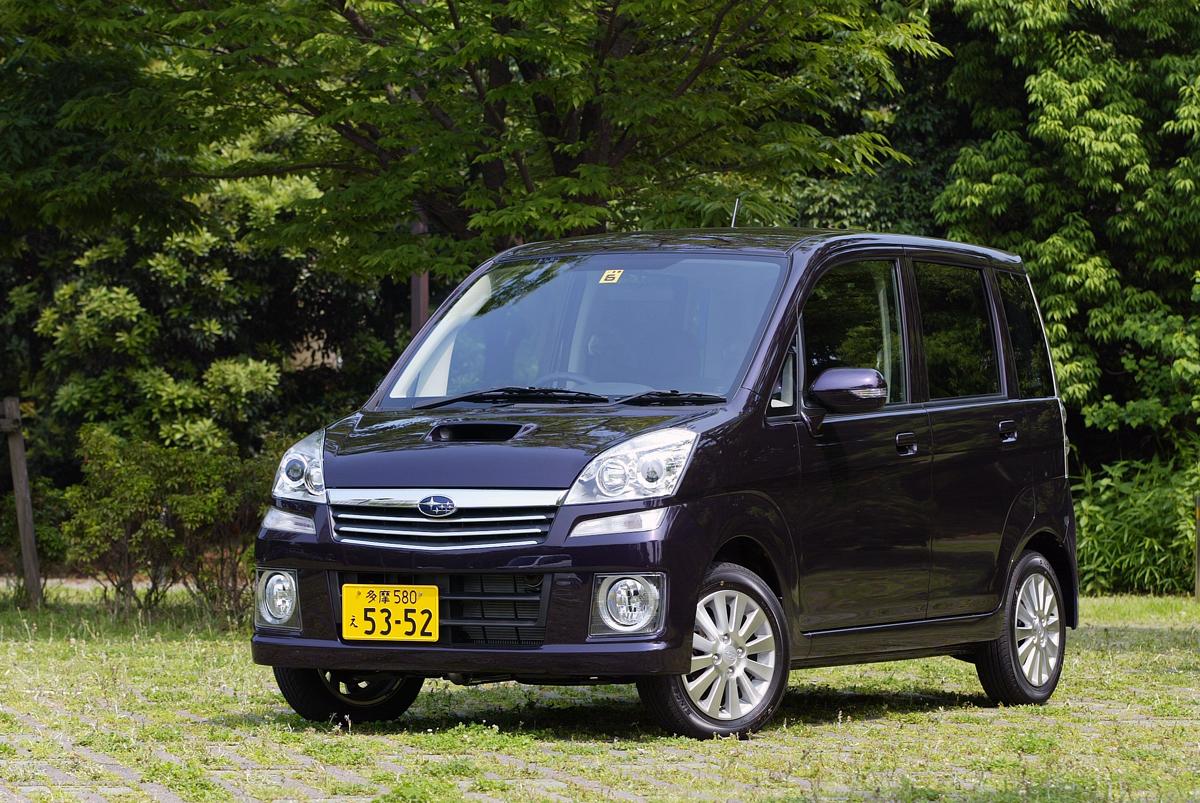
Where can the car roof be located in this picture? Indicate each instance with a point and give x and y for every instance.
(752, 240)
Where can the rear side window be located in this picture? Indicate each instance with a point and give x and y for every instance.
(852, 320)
(960, 343)
(1025, 334)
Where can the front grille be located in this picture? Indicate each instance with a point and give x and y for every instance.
(481, 610)
(466, 527)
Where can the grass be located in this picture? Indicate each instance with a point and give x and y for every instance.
(173, 706)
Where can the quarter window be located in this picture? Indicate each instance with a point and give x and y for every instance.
(852, 320)
(956, 324)
(1025, 334)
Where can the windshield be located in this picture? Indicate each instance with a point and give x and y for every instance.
(613, 325)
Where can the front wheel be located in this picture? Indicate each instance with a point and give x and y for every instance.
(740, 660)
(324, 695)
(1023, 666)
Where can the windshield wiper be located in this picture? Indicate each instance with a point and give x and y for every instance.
(672, 397)
(515, 393)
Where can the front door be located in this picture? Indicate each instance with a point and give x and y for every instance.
(863, 526)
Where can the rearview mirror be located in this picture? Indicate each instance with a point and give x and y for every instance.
(850, 390)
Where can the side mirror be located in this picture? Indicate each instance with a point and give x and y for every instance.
(850, 390)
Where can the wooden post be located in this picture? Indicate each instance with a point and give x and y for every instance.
(419, 283)
(20, 474)
(420, 301)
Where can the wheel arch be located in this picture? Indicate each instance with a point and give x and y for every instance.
(748, 528)
(1048, 544)
(747, 551)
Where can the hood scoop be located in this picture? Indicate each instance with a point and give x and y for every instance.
(478, 432)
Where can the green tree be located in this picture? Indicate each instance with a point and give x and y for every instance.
(439, 132)
(156, 305)
(1088, 161)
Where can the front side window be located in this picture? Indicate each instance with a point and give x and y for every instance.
(1025, 334)
(956, 324)
(612, 325)
(852, 320)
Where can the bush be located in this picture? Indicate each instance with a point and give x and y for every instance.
(215, 516)
(49, 511)
(148, 516)
(1137, 528)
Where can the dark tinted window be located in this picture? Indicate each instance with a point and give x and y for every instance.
(852, 320)
(1025, 334)
(960, 348)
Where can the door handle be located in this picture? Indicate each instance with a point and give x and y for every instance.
(906, 443)
(1008, 431)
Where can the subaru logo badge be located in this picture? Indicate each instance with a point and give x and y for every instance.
(436, 506)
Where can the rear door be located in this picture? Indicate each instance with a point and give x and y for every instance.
(863, 502)
(980, 463)
(1042, 424)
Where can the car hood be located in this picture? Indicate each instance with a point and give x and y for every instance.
(514, 446)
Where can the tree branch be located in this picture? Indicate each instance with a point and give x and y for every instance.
(275, 170)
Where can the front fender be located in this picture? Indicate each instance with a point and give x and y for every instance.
(752, 521)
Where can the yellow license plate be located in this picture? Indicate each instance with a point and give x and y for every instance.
(389, 613)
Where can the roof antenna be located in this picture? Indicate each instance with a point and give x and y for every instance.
(736, 205)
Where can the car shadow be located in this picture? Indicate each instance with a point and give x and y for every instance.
(820, 705)
(606, 713)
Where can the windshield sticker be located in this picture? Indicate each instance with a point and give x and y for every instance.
(611, 276)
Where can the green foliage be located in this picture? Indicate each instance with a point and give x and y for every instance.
(1087, 167)
(119, 527)
(49, 512)
(209, 213)
(1137, 528)
(437, 132)
(147, 516)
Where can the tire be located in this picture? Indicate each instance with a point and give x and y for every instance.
(760, 677)
(328, 696)
(1023, 666)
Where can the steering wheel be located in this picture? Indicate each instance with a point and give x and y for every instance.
(548, 380)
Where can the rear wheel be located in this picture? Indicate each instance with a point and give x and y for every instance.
(1023, 666)
(325, 695)
(740, 660)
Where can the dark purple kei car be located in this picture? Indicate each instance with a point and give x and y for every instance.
(692, 461)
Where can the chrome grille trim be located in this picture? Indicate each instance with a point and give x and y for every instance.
(481, 518)
(463, 497)
(437, 533)
(426, 520)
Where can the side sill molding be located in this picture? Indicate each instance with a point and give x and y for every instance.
(961, 619)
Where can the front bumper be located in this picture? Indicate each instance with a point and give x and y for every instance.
(564, 568)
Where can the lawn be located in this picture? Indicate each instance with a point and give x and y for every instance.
(172, 709)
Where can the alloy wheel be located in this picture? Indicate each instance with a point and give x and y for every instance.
(1037, 630)
(733, 656)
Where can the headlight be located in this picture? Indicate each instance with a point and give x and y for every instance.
(300, 475)
(645, 467)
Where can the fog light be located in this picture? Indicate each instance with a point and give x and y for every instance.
(627, 604)
(278, 599)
